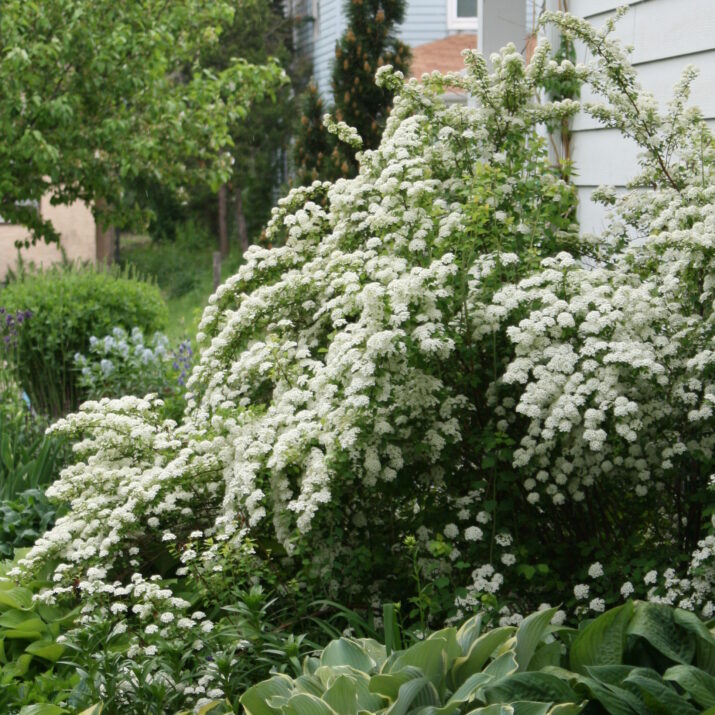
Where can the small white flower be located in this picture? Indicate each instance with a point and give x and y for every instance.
(473, 533)
(595, 570)
(580, 591)
(598, 605)
(627, 589)
(451, 531)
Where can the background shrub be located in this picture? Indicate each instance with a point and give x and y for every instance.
(69, 304)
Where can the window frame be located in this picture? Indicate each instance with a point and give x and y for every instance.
(460, 23)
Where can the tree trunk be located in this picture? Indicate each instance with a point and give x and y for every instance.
(240, 221)
(222, 226)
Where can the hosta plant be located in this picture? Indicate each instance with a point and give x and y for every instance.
(636, 659)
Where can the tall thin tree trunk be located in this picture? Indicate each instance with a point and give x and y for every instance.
(222, 225)
(240, 220)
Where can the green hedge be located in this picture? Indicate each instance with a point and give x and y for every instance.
(639, 658)
(69, 304)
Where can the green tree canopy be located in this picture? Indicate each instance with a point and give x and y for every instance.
(94, 93)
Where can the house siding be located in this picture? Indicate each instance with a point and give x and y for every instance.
(425, 21)
(667, 35)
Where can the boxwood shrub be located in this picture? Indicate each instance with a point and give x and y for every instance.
(69, 304)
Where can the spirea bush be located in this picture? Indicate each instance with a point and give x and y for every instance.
(433, 386)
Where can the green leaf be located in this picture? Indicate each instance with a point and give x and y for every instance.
(502, 666)
(468, 690)
(529, 634)
(697, 683)
(429, 656)
(388, 684)
(412, 694)
(479, 652)
(94, 710)
(469, 632)
(345, 651)
(42, 709)
(304, 704)
(546, 655)
(342, 696)
(655, 622)
(48, 650)
(601, 642)
(254, 699)
(530, 686)
(705, 641)
(17, 597)
(657, 695)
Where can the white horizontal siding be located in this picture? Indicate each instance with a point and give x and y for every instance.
(666, 35)
(331, 25)
(425, 21)
(660, 78)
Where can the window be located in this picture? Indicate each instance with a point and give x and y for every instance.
(462, 14)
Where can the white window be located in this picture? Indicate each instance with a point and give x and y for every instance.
(462, 15)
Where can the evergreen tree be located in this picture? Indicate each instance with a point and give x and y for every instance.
(316, 153)
(369, 42)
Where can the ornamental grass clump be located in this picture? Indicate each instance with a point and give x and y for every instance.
(425, 393)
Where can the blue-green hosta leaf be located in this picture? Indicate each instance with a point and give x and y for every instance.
(656, 623)
(254, 699)
(388, 684)
(412, 695)
(530, 633)
(602, 641)
(309, 684)
(697, 683)
(548, 654)
(304, 704)
(705, 640)
(48, 650)
(658, 695)
(310, 665)
(496, 709)
(502, 666)
(374, 649)
(468, 632)
(542, 687)
(346, 651)
(469, 689)
(366, 700)
(452, 648)
(480, 651)
(429, 656)
(567, 708)
(342, 696)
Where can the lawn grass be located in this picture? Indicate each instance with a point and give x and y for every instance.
(183, 270)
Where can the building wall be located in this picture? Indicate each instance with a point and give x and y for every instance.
(75, 225)
(667, 35)
(425, 21)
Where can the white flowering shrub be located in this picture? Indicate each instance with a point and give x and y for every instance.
(426, 371)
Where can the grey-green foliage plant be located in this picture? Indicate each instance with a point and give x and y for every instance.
(636, 659)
